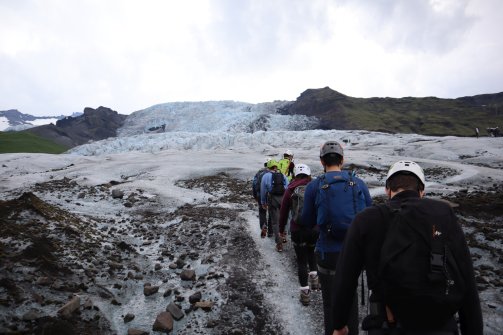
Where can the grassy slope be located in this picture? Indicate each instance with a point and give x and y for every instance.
(429, 115)
(11, 142)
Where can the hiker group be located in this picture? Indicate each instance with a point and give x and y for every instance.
(411, 249)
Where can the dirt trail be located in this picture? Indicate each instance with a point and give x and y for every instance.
(51, 252)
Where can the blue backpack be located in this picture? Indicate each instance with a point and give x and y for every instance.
(337, 202)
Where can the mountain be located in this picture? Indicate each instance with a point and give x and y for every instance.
(426, 116)
(13, 119)
(92, 125)
(314, 109)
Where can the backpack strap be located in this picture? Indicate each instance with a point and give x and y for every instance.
(353, 184)
(438, 258)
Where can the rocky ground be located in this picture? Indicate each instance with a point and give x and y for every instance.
(143, 267)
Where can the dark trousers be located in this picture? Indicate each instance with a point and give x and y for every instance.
(274, 203)
(306, 261)
(327, 262)
(263, 219)
(262, 215)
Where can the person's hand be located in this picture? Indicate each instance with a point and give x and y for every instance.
(343, 331)
(264, 206)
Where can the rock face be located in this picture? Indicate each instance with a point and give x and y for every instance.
(93, 125)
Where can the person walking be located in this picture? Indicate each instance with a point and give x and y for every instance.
(286, 165)
(443, 269)
(331, 202)
(303, 239)
(272, 188)
(262, 212)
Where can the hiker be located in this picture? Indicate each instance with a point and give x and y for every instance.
(477, 132)
(272, 188)
(331, 201)
(303, 239)
(286, 165)
(372, 237)
(262, 212)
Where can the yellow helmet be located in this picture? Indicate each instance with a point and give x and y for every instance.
(272, 163)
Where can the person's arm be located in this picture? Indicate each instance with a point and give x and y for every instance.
(349, 266)
(366, 193)
(264, 188)
(283, 211)
(254, 186)
(308, 216)
(470, 314)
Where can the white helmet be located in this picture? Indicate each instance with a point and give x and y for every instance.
(289, 152)
(407, 167)
(302, 169)
(267, 159)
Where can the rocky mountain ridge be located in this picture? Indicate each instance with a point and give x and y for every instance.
(321, 108)
(93, 125)
(425, 116)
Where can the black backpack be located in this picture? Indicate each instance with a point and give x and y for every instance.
(278, 186)
(419, 277)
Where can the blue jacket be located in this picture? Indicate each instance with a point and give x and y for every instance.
(266, 186)
(326, 243)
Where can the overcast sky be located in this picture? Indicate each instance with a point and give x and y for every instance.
(58, 57)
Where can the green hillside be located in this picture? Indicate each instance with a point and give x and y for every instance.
(12, 141)
(427, 116)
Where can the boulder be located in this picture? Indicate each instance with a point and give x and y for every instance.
(163, 322)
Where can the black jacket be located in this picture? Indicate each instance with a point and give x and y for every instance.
(362, 248)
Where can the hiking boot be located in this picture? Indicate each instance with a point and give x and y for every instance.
(305, 299)
(283, 237)
(314, 282)
(279, 247)
(263, 233)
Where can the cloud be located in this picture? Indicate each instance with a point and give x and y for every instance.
(435, 26)
(57, 57)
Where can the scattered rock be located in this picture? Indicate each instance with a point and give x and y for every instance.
(32, 315)
(133, 331)
(188, 274)
(195, 297)
(129, 317)
(44, 281)
(205, 305)
(70, 307)
(163, 322)
(117, 194)
(150, 290)
(175, 311)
